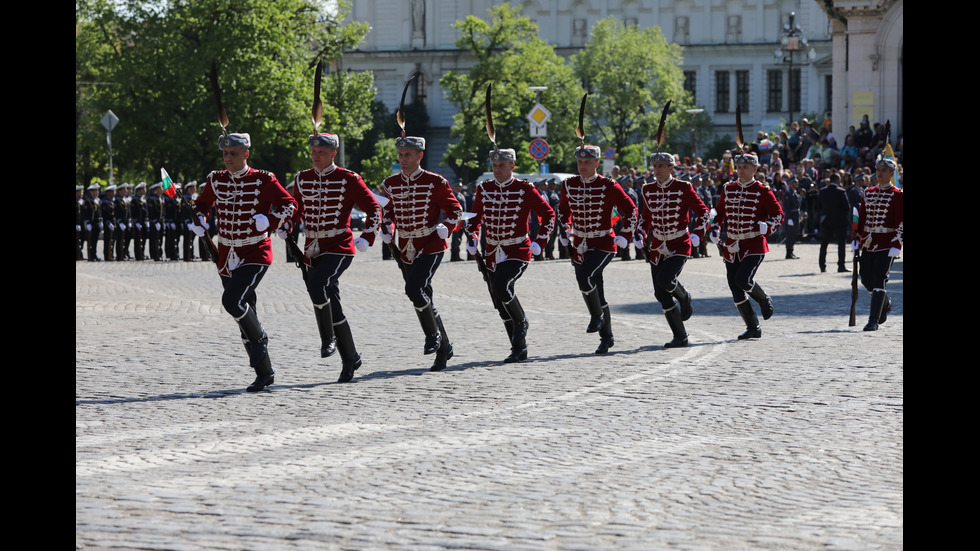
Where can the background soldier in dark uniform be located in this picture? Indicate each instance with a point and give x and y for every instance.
(184, 216)
(107, 210)
(121, 209)
(154, 224)
(137, 220)
(79, 192)
(171, 232)
(792, 201)
(92, 222)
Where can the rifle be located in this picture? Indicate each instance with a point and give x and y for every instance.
(852, 321)
(297, 253)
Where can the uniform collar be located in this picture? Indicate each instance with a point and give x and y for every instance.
(325, 171)
(240, 173)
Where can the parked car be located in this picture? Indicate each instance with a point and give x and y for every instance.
(357, 218)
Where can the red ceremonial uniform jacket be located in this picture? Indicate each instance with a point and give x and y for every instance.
(880, 218)
(588, 207)
(741, 208)
(503, 210)
(416, 203)
(237, 199)
(325, 202)
(665, 217)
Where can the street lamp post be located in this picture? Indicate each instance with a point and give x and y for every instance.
(694, 131)
(792, 41)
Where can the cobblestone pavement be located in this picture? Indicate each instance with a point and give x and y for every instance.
(791, 441)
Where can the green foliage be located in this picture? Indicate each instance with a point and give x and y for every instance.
(149, 62)
(509, 54)
(631, 73)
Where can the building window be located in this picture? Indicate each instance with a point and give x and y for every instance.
(722, 92)
(579, 31)
(795, 91)
(733, 31)
(775, 103)
(691, 84)
(631, 22)
(742, 90)
(682, 30)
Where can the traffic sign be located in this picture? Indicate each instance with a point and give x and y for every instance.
(610, 153)
(538, 149)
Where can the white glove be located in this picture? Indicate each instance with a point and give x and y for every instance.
(442, 231)
(535, 248)
(198, 230)
(620, 241)
(361, 244)
(893, 252)
(386, 234)
(111, 227)
(122, 226)
(695, 240)
(855, 245)
(261, 222)
(139, 226)
(158, 226)
(789, 222)
(638, 242)
(714, 237)
(471, 246)
(78, 227)
(763, 227)
(283, 234)
(88, 226)
(563, 238)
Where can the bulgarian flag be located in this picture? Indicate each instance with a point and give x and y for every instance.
(616, 215)
(168, 183)
(854, 220)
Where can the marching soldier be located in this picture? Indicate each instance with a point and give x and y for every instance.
(107, 210)
(326, 194)
(880, 223)
(667, 203)
(585, 209)
(154, 223)
(138, 221)
(750, 212)
(249, 202)
(502, 205)
(417, 199)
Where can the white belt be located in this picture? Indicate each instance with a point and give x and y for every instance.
(415, 233)
(255, 239)
(507, 242)
(590, 234)
(880, 229)
(325, 233)
(740, 236)
(669, 236)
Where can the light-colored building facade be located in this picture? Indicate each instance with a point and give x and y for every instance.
(868, 50)
(729, 52)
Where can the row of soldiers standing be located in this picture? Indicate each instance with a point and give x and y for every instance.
(131, 220)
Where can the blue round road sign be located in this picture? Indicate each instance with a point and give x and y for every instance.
(538, 149)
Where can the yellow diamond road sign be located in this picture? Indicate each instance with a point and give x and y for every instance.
(538, 115)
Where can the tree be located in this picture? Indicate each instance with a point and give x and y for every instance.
(508, 53)
(152, 60)
(631, 73)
